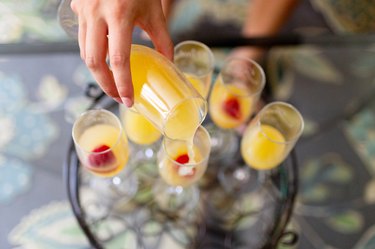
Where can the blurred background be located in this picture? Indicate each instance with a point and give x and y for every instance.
(332, 84)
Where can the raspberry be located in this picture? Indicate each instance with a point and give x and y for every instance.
(184, 171)
(182, 159)
(101, 159)
(232, 107)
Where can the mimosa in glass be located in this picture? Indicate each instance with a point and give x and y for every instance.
(267, 141)
(181, 165)
(232, 101)
(102, 148)
(196, 61)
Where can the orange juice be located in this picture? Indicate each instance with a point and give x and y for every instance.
(182, 168)
(229, 105)
(138, 128)
(263, 148)
(110, 150)
(199, 85)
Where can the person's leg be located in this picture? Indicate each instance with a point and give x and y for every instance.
(264, 18)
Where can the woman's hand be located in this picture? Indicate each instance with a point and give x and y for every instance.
(106, 28)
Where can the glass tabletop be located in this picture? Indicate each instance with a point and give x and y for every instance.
(333, 86)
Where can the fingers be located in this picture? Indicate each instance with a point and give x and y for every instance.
(82, 27)
(158, 32)
(156, 27)
(92, 39)
(117, 19)
(119, 45)
(95, 56)
(82, 37)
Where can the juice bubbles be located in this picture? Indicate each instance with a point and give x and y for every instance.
(263, 147)
(164, 96)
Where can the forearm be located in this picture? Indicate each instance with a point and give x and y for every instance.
(266, 17)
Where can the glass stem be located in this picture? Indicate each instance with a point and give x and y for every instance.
(241, 175)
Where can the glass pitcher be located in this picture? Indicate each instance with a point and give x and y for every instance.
(164, 96)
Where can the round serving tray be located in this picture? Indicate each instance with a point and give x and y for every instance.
(234, 220)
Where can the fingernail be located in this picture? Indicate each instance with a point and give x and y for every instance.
(118, 100)
(127, 101)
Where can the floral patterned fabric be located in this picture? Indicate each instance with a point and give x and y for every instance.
(27, 21)
(332, 87)
(348, 15)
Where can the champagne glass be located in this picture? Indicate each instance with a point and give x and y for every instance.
(267, 141)
(102, 148)
(144, 137)
(232, 101)
(181, 165)
(196, 61)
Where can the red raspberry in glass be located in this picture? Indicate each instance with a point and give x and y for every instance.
(101, 159)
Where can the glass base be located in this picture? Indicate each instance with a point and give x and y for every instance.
(144, 159)
(146, 152)
(116, 190)
(145, 167)
(228, 210)
(175, 199)
(224, 145)
(240, 179)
